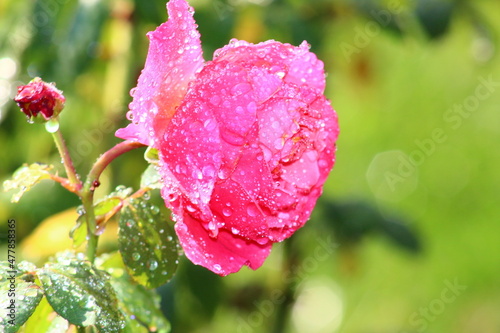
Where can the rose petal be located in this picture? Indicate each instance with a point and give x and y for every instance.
(294, 64)
(190, 150)
(223, 255)
(174, 57)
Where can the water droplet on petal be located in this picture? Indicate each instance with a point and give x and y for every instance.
(241, 88)
(217, 267)
(208, 170)
(227, 211)
(262, 241)
(209, 124)
(223, 173)
(252, 210)
(252, 107)
(215, 100)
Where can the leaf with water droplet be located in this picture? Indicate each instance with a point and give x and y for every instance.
(81, 294)
(105, 209)
(25, 178)
(46, 320)
(145, 239)
(140, 305)
(151, 178)
(22, 296)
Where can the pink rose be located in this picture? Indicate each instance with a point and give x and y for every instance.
(246, 141)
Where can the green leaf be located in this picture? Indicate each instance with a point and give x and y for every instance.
(106, 209)
(79, 232)
(81, 294)
(25, 178)
(106, 205)
(140, 305)
(21, 295)
(147, 243)
(151, 155)
(151, 178)
(46, 320)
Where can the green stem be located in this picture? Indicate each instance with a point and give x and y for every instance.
(87, 193)
(66, 159)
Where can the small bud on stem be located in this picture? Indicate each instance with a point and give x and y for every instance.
(40, 101)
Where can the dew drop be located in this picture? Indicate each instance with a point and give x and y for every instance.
(52, 126)
(227, 211)
(235, 231)
(215, 100)
(152, 264)
(252, 210)
(155, 210)
(262, 241)
(252, 107)
(209, 125)
(208, 171)
(223, 173)
(241, 88)
(172, 197)
(181, 169)
(322, 163)
(211, 225)
(283, 215)
(281, 75)
(130, 115)
(136, 256)
(130, 223)
(217, 267)
(80, 211)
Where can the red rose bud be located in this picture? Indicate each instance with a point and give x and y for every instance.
(40, 101)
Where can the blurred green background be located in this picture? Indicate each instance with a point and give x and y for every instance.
(406, 236)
